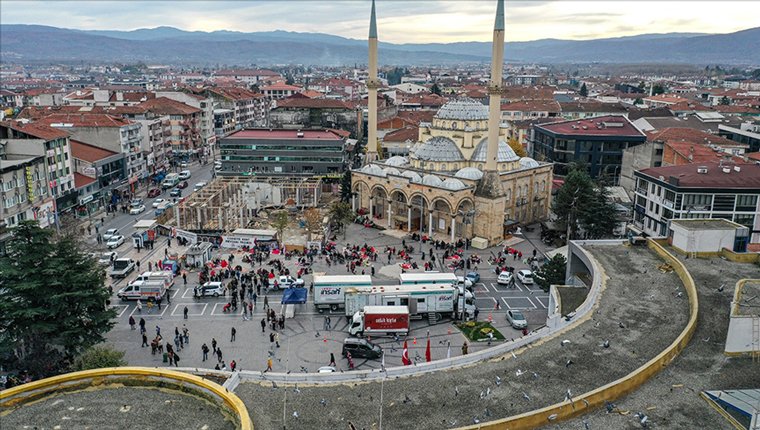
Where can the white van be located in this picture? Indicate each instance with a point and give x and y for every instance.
(166, 277)
(149, 290)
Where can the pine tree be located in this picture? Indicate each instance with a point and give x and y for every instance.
(345, 186)
(552, 272)
(52, 300)
(583, 91)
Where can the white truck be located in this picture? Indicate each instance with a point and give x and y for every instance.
(121, 268)
(436, 278)
(435, 301)
(284, 281)
(166, 277)
(154, 290)
(380, 321)
(330, 291)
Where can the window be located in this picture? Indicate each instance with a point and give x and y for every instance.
(745, 203)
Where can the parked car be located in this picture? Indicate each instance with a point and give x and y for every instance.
(115, 241)
(525, 276)
(106, 258)
(136, 202)
(183, 165)
(157, 202)
(176, 192)
(504, 278)
(199, 185)
(182, 185)
(111, 232)
(286, 282)
(361, 348)
(326, 369)
(516, 319)
(154, 192)
(185, 174)
(474, 277)
(135, 210)
(215, 289)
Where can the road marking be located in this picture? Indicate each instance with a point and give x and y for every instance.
(531, 302)
(518, 286)
(541, 301)
(504, 299)
(190, 306)
(119, 314)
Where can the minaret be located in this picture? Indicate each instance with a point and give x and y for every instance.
(495, 88)
(372, 85)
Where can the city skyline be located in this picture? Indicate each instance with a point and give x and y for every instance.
(436, 21)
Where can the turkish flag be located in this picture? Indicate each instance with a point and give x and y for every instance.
(405, 356)
(427, 352)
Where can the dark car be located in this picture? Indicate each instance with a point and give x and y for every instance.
(182, 185)
(361, 348)
(176, 192)
(154, 192)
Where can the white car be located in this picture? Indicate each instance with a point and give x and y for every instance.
(115, 241)
(286, 282)
(184, 175)
(525, 276)
(199, 185)
(106, 258)
(157, 202)
(504, 278)
(111, 232)
(134, 210)
(326, 369)
(215, 289)
(516, 319)
(183, 164)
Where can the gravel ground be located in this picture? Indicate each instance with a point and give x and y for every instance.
(637, 295)
(117, 408)
(701, 366)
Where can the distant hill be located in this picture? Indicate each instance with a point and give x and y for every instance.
(168, 45)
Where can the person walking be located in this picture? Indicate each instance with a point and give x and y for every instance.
(232, 334)
(158, 331)
(271, 339)
(145, 340)
(184, 312)
(142, 325)
(332, 359)
(213, 345)
(219, 354)
(139, 306)
(137, 263)
(277, 339)
(204, 350)
(131, 322)
(464, 348)
(266, 302)
(269, 365)
(184, 278)
(328, 322)
(263, 325)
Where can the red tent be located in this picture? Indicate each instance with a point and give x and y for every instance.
(224, 263)
(405, 356)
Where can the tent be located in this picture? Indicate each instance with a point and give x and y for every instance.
(292, 296)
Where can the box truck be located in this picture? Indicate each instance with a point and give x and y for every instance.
(121, 268)
(380, 321)
(330, 291)
(435, 301)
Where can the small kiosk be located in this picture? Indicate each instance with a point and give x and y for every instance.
(199, 254)
(145, 231)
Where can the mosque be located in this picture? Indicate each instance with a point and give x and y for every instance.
(461, 179)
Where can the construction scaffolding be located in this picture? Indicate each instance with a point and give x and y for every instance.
(228, 203)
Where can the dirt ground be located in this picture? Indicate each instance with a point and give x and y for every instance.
(117, 408)
(701, 366)
(638, 296)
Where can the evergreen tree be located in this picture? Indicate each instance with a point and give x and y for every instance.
(599, 219)
(658, 89)
(572, 197)
(99, 357)
(551, 273)
(345, 187)
(435, 89)
(583, 91)
(52, 301)
(341, 215)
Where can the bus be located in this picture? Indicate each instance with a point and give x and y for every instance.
(329, 291)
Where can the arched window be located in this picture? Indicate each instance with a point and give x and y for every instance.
(454, 124)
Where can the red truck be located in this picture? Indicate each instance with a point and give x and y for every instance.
(381, 320)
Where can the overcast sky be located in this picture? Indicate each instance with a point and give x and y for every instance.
(407, 21)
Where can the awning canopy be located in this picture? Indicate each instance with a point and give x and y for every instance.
(294, 296)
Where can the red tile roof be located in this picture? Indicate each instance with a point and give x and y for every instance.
(403, 135)
(753, 155)
(736, 109)
(260, 133)
(167, 106)
(550, 106)
(691, 153)
(312, 94)
(38, 130)
(416, 116)
(90, 153)
(86, 120)
(235, 93)
(514, 93)
(608, 125)
(81, 180)
(689, 135)
(299, 102)
(281, 87)
(747, 178)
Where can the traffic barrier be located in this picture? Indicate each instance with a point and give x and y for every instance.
(230, 404)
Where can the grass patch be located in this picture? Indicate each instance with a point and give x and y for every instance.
(478, 330)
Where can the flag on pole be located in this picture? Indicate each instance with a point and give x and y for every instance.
(405, 356)
(427, 352)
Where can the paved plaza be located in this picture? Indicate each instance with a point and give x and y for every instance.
(304, 343)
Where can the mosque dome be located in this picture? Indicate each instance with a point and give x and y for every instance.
(469, 173)
(528, 163)
(372, 170)
(438, 148)
(453, 184)
(505, 154)
(464, 108)
(432, 181)
(396, 161)
(412, 175)
(391, 171)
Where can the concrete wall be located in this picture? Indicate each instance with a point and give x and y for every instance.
(702, 240)
(637, 158)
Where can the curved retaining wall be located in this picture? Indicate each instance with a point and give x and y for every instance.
(230, 404)
(620, 387)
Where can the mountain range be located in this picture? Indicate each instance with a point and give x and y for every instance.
(168, 45)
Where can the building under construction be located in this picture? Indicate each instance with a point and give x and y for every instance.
(228, 203)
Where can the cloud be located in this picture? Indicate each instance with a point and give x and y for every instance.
(406, 21)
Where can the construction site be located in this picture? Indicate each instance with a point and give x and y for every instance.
(229, 203)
